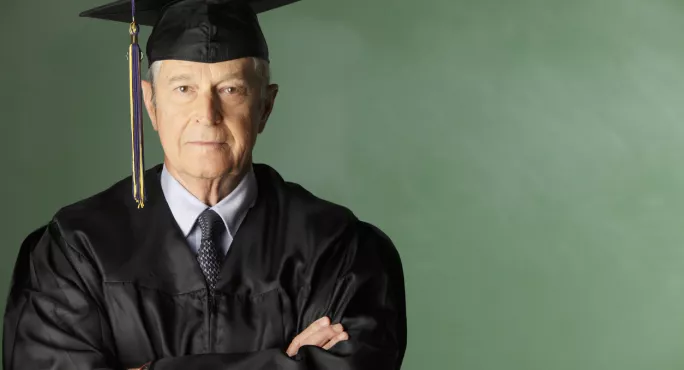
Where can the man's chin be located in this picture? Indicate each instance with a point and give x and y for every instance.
(209, 170)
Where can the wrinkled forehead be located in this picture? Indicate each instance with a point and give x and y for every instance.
(243, 68)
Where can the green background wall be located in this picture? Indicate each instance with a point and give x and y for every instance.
(525, 156)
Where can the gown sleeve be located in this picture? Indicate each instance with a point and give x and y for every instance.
(366, 296)
(52, 320)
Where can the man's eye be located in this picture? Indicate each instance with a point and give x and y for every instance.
(232, 90)
(183, 89)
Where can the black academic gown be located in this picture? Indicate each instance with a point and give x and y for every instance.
(108, 286)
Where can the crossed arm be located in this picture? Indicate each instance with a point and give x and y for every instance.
(320, 334)
(52, 320)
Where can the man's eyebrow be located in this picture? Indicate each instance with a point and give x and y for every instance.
(225, 77)
(181, 77)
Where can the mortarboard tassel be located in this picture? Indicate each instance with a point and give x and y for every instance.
(134, 59)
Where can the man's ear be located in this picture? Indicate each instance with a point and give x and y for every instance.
(148, 97)
(269, 102)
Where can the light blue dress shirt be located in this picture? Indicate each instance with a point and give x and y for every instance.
(186, 208)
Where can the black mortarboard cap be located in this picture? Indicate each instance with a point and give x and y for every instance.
(206, 31)
(196, 30)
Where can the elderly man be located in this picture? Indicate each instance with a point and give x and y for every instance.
(226, 266)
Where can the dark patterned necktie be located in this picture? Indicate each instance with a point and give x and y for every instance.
(211, 225)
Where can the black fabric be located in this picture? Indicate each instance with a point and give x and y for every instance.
(205, 31)
(108, 286)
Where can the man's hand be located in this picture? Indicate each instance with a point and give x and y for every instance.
(320, 334)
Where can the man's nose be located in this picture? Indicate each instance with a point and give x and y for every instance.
(209, 108)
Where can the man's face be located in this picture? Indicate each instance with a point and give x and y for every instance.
(208, 115)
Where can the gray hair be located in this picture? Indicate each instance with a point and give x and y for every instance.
(261, 67)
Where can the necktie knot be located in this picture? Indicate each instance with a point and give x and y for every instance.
(210, 224)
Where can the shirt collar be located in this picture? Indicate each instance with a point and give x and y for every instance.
(186, 208)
